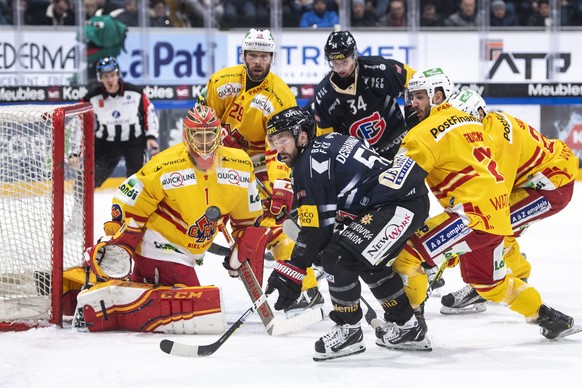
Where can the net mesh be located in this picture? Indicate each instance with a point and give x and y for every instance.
(27, 211)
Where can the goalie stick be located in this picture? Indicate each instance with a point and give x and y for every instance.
(273, 325)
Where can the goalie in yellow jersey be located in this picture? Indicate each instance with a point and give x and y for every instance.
(539, 174)
(245, 97)
(160, 231)
(458, 156)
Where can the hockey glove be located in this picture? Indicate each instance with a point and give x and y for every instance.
(228, 140)
(410, 116)
(111, 257)
(281, 198)
(286, 278)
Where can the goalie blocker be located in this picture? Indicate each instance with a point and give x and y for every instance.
(124, 305)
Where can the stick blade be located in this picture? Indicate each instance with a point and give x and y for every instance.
(181, 350)
(308, 318)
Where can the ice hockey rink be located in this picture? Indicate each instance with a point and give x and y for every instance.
(492, 349)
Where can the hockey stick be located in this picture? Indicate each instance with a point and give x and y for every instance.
(184, 350)
(273, 325)
(437, 277)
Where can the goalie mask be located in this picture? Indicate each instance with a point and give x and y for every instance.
(430, 80)
(471, 103)
(201, 135)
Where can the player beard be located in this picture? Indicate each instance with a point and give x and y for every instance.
(257, 74)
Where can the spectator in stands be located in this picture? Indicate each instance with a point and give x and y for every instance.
(319, 16)
(239, 13)
(57, 13)
(500, 17)
(361, 17)
(3, 12)
(90, 8)
(159, 14)
(466, 15)
(540, 16)
(429, 16)
(396, 16)
(195, 10)
(293, 9)
(129, 14)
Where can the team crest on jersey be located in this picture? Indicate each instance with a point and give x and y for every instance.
(370, 128)
(202, 230)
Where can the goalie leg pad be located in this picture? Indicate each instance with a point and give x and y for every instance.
(119, 305)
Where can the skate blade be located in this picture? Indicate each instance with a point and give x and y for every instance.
(471, 309)
(349, 351)
(415, 346)
(573, 330)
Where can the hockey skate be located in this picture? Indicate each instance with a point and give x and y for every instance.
(343, 340)
(78, 322)
(309, 299)
(409, 336)
(463, 301)
(553, 322)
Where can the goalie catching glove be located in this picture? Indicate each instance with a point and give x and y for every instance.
(281, 199)
(111, 257)
(286, 277)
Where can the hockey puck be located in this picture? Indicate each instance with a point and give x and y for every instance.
(212, 213)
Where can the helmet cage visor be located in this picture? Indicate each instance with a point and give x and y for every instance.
(202, 141)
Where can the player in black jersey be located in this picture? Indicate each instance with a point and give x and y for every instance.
(339, 178)
(358, 97)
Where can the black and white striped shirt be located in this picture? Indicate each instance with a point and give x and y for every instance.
(125, 116)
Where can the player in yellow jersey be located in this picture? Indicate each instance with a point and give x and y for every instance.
(457, 154)
(245, 97)
(539, 174)
(160, 222)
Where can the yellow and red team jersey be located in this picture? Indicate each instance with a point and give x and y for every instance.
(452, 147)
(527, 158)
(169, 196)
(245, 113)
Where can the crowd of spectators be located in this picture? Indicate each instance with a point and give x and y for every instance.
(297, 13)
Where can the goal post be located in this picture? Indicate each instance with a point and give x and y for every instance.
(46, 207)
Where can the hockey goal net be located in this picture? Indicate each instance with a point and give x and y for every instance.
(46, 207)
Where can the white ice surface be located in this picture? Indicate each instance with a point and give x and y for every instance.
(493, 349)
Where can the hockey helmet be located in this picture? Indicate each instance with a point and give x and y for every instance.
(469, 102)
(340, 45)
(107, 65)
(201, 134)
(258, 40)
(293, 120)
(431, 80)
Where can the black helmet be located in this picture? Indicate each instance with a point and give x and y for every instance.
(106, 65)
(294, 120)
(340, 45)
